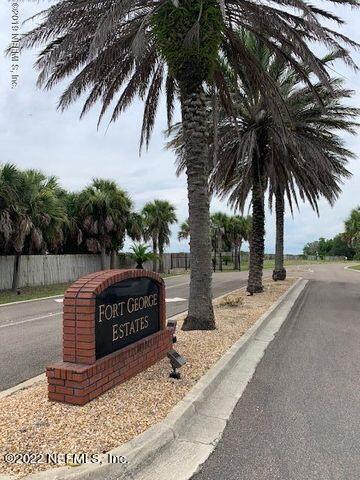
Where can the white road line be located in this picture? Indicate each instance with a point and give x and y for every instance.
(59, 300)
(178, 285)
(31, 319)
(176, 299)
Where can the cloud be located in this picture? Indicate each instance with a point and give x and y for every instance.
(34, 134)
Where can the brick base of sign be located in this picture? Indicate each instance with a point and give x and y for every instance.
(78, 384)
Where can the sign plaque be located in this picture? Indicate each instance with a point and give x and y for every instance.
(125, 313)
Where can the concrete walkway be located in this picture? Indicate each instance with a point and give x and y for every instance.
(299, 417)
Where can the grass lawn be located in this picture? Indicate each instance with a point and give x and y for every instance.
(29, 293)
(356, 267)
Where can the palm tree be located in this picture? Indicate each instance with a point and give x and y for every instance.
(138, 47)
(10, 182)
(135, 226)
(35, 217)
(352, 229)
(308, 157)
(184, 231)
(158, 216)
(141, 254)
(218, 227)
(105, 210)
(73, 234)
(238, 230)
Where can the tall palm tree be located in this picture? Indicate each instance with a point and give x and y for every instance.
(104, 209)
(308, 160)
(158, 216)
(136, 47)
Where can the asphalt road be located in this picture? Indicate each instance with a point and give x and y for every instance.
(31, 334)
(298, 418)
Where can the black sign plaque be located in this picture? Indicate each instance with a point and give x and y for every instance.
(126, 312)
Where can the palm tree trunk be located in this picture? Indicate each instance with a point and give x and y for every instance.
(200, 314)
(256, 262)
(236, 258)
(161, 259)
(239, 257)
(154, 249)
(103, 258)
(16, 272)
(113, 258)
(279, 272)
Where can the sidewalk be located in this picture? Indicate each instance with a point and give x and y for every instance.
(299, 417)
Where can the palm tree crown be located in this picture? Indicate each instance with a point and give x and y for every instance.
(105, 211)
(117, 50)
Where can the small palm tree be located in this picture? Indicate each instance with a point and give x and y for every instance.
(104, 209)
(141, 253)
(158, 216)
(123, 49)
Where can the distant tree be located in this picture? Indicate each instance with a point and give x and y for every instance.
(74, 235)
(325, 247)
(352, 229)
(184, 231)
(104, 209)
(10, 182)
(333, 247)
(238, 230)
(340, 248)
(218, 228)
(34, 219)
(158, 216)
(135, 226)
(311, 248)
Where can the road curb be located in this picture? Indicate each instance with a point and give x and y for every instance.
(194, 426)
(22, 386)
(352, 269)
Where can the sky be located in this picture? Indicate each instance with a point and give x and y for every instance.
(34, 134)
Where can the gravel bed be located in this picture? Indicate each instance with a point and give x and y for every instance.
(30, 423)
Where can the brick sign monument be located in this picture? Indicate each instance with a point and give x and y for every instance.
(114, 326)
